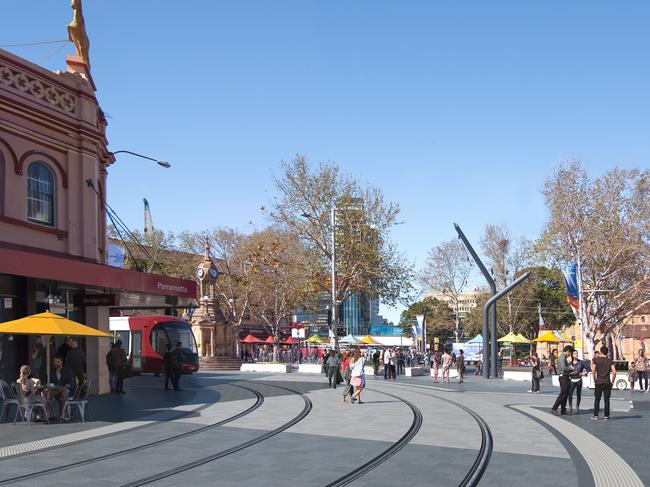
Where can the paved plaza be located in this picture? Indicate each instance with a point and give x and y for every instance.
(252, 429)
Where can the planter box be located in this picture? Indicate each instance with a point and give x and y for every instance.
(452, 373)
(265, 367)
(309, 368)
(518, 375)
(415, 371)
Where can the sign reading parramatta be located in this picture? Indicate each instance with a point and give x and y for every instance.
(171, 287)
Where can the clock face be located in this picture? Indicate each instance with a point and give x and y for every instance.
(213, 273)
(200, 272)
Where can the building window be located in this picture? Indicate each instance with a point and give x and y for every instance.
(40, 194)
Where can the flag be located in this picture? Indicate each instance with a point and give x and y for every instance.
(148, 222)
(571, 283)
(114, 255)
(542, 324)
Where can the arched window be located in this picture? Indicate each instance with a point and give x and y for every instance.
(40, 194)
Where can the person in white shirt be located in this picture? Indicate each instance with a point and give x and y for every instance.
(357, 375)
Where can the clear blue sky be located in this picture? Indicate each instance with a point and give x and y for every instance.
(431, 101)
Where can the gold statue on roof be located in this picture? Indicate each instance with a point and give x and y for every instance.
(77, 32)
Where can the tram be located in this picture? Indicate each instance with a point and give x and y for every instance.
(145, 340)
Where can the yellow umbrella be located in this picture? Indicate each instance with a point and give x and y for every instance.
(48, 324)
(509, 338)
(368, 340)
(547, 337)
(315, 339)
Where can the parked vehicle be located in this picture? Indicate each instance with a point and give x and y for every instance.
(145, 338)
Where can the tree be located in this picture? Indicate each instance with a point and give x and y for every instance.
(366, 260)
(281, 279)
(155, 252)
(447, 269)
(505, 256)
(601, 224)
(439, 317)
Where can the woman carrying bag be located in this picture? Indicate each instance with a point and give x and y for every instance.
(357, 378)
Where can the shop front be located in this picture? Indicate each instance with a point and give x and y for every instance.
(32, 282)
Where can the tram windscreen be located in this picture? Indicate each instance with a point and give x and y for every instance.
(173, 332)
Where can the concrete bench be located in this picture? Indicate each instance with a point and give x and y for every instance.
(415, 371)
(266, 367)
(452, 373)
(309, 368)
(518, 375)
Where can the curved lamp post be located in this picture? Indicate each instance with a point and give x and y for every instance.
(164, 164)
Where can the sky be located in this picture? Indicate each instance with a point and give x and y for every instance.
(457, 110)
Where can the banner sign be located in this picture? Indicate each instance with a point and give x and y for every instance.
(82, 300)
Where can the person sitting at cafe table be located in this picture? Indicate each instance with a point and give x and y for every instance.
(29, 385)
(59, 387)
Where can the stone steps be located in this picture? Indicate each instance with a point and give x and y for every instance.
(220, 363)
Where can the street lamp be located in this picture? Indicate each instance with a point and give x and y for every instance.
(334, 324)
(164, 164)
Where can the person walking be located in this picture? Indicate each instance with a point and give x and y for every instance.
(604, 374)
(400, 362)
(552, 362)
(119, 363)
(500, 363)
(393, 364)
(632, 375)
(435, 363)
(357, 378)
(576, 380)
(537, 373)
(333, 363)
(177, 357)
(386, 361)
(348, 389)
(564, 368)
(446, 364)
(375, 363)
(460, 365)
(112, 376)
(642, 371)
(167, 366)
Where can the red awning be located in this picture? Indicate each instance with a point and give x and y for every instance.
(290, 341)
(32, 263)
(251, 339)
(269, 339)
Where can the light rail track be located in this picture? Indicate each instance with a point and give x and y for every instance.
(476, 471)
(215, 456)
(42, 473)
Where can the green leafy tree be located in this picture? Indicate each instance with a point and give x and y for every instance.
(440, 319)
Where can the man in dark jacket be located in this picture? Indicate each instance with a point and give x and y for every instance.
(62, 380)
(177, 365)
(564, 369)
(119, 363)
(75, 360)
(167, 366)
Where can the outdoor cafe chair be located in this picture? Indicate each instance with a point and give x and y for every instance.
(80, 401)
(26, 408)
(8, 398)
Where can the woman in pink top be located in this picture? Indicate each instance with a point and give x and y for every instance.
(434, 365)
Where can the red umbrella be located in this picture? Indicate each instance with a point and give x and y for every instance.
(290, 341)
(251, 339)
(269, 339)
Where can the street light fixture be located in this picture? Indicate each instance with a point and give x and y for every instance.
(334, 325)
(164, 164)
